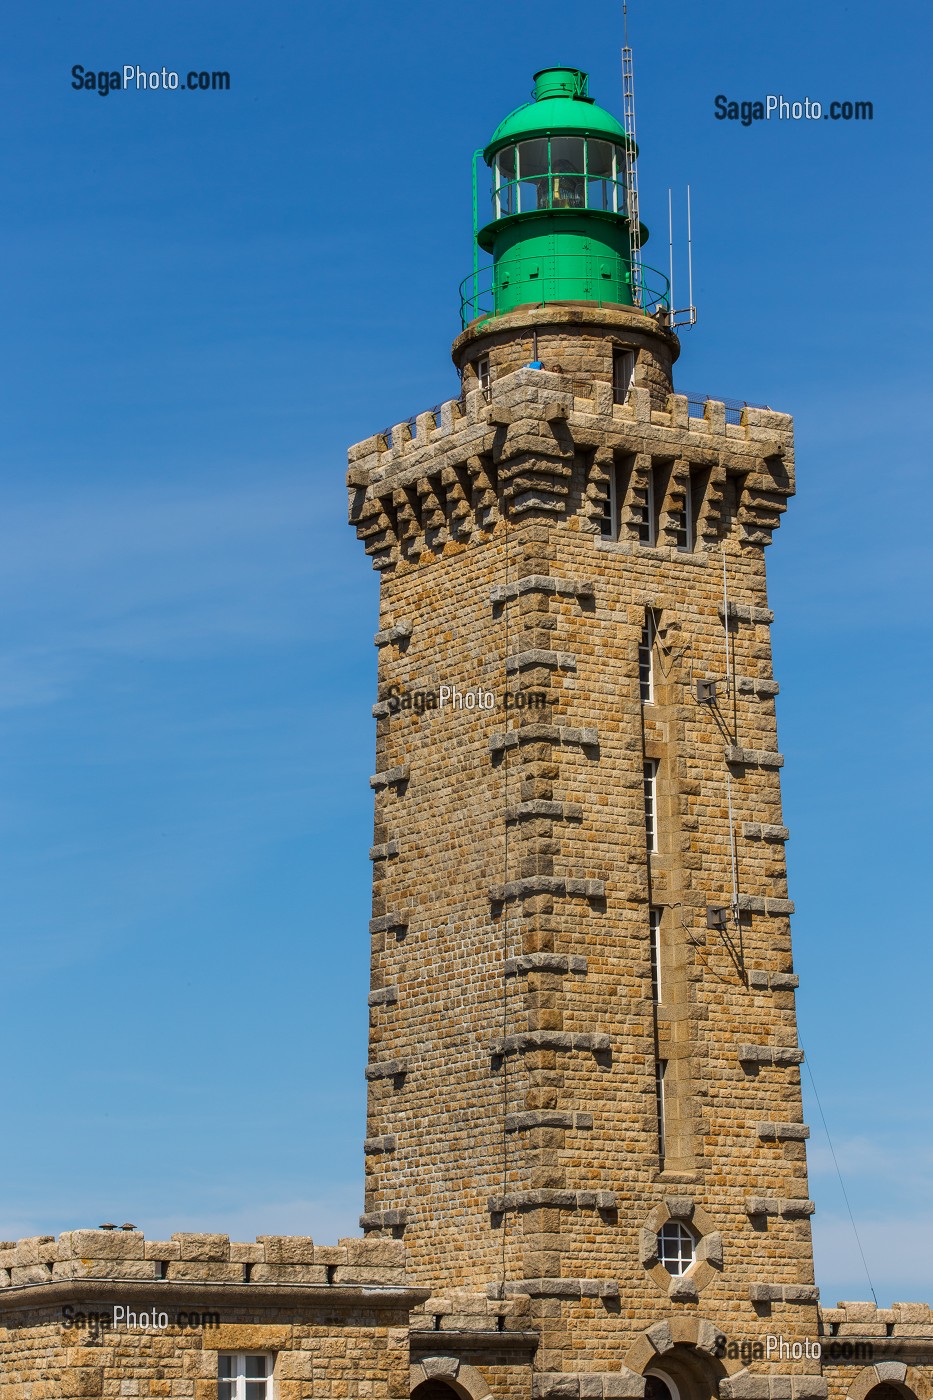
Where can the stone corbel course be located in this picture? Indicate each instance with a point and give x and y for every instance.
(375, 1146)
(759, 904)
(389, 923)
(557, 1200)
(541, 583)
(759, 831)
(383, 996)
(546, 1118)
(783, 1293)
(539, 807)
(542, 734)
(554, 660)
(384, 1220)
(742, 612)
(399, 633)
(793, 1209)
(752, 685)
(384, 852)
(773, 981)
(783, 1132)
(390, 777)
(545, 962)
(597, 1042)
(547, 884)
(754, 758)
(770, 1055)
(386, 1069)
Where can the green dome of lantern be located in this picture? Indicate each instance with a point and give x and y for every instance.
(559, 229)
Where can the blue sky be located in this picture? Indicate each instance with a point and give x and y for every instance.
(208, 296)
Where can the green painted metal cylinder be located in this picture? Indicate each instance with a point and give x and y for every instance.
(558, 229)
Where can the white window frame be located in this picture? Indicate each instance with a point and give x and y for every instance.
(240, 1378)
(651, 802)
(677, 1257)
(646, 660)
(483, 375)
(654, 929)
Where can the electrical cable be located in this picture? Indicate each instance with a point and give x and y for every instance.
(845, 1194)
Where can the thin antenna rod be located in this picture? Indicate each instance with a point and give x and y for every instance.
(689, 255)
(670, 242)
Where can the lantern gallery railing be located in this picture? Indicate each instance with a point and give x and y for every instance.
(597, 281)
(559, 172)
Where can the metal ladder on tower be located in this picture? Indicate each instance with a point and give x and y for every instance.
(631, 176)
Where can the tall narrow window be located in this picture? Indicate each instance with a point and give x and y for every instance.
(651, 803)
(609, 520)
(654, 928)
(623, 372)
(682, 519)
(646, 514)
(660, 1075)
(646, 660)
(483, 374)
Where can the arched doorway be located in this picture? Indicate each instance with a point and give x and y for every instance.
(435, 1389)
(683, 1373)
(886, 1391)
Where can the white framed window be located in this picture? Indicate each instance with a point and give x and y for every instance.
(623, 372)
(483, 374)
(660, 1077)
(651, 802)
(244, 1376)
(646, 660)
(654, 929)
(677, 1247)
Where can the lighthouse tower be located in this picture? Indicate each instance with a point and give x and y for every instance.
(584, 1089)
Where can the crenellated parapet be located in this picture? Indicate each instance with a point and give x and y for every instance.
(126, 1255)
(540, 445)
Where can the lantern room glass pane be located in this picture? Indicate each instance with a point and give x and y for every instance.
(532, 157)
(567, 188)
(505, 191)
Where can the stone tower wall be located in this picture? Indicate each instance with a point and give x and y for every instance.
(513, 1132)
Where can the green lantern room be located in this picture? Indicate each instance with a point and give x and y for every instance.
(559, 227)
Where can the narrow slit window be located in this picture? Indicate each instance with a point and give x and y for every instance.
(654, 929)
(651, 803)
(682, 519)
(660, 1077)
(483, 374)
(646, 515)
(623, 374)
(609, 520)
(646, 660)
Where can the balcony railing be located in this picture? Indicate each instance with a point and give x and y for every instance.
(481, 291)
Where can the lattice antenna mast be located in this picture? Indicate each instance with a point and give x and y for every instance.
(631, 165)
